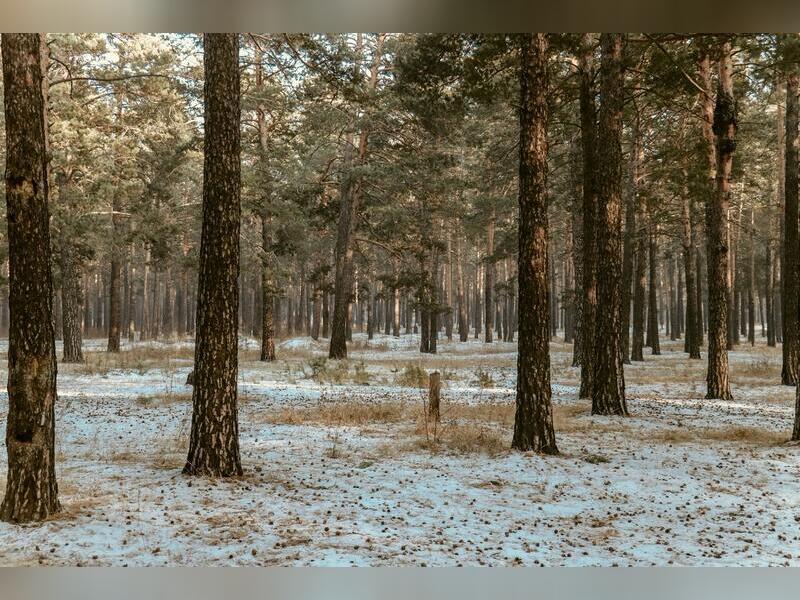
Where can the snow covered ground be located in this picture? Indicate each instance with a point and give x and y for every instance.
(341, 468)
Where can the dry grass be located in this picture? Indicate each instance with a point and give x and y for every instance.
(165, 399)
(732, 433)
(140, 358)
(468, 438)
(354, 414)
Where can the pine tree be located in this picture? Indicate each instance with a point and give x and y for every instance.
(533, 423)
(31, 487)
(608, 383)
(214, 441)
(724, 130)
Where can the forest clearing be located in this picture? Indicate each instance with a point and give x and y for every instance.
(340, 469)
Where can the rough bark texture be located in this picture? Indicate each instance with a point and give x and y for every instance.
(71, 292)
(724, 130)
(791, 251)
(608, 382)
(533, 422)
(588, 142)
(31, 488)
(214, 441)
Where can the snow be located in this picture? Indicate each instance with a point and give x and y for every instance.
(654, 488)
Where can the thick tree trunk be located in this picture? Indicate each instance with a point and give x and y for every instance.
(31, 487)
(533, 422)
(214, 440)
(588, 142)
(608, 381)
(790, 274)
(724, 131)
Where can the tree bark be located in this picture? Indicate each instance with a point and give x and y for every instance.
(790, 274)
(723, 127)
(588, 142)
(533, 421)
(608, 381)
(31, 487)
(71, 292)
(214, 440)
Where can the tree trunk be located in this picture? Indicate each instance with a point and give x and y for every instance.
(488, 283)
(267, 294)
(463, 327)
(31, 487)
(71, 300)
(115, 316)
(790, 274)
(723, 127)
(652, 305)
(751, 286)
(577, 234)
(588, 142)
(608, 382)
(71, 292)
(214, 440)
(692, 343)
(640, 283)
(448, 324)
(350, 200)
(533, 421)
(630, 233)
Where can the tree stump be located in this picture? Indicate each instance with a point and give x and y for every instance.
(433, 395)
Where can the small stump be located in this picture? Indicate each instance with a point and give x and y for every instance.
(435, 388)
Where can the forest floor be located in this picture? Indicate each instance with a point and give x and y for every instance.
(341, 467)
